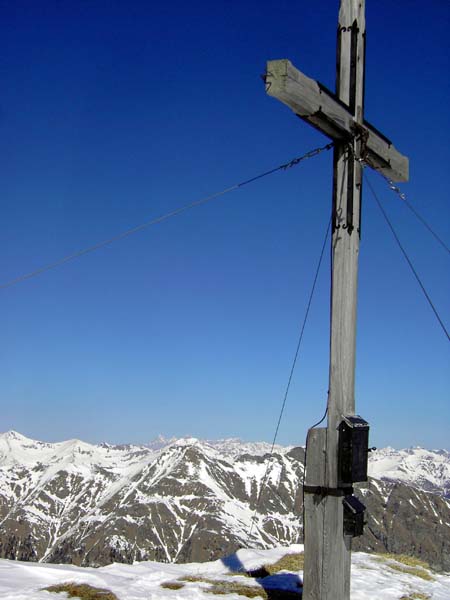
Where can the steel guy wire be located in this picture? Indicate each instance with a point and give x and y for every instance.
(425, 224)
(291, 373)
(408, 260)
(392, 186)
(161, 218)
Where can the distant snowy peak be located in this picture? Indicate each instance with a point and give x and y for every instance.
(428, 470)
(13, 435)
(229, 447)
(234, 447)
(160, 442)
(16, 449)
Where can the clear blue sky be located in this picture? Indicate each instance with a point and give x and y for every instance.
(115, 112)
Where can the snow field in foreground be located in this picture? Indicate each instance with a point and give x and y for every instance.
(371, 578)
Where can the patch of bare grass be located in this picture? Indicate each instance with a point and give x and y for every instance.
(221, 588)
(410, 561)
(172, 585)
(416, 596)
(407, 564)
(82, 591)
(197, 579)
(290, 562)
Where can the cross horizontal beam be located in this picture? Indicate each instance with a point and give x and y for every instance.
(321, 108)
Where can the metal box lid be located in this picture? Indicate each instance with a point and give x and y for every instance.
(354, 422)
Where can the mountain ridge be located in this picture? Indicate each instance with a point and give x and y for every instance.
(191, 500)
(428, 470)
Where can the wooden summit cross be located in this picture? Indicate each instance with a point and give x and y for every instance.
(340, 116)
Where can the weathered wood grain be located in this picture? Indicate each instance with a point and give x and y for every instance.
(322, 109)
(314, 508)
(336, 547)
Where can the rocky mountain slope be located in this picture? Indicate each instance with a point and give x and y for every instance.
(186, 500)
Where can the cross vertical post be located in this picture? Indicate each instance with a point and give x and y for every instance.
(334, 578)
(340, 116)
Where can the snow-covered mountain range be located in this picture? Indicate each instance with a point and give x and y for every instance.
(188, 500)
(427, 470)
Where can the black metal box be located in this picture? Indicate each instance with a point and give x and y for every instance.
(353, 450)
(353, 516)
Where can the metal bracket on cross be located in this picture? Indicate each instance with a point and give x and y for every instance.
(317, 105)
